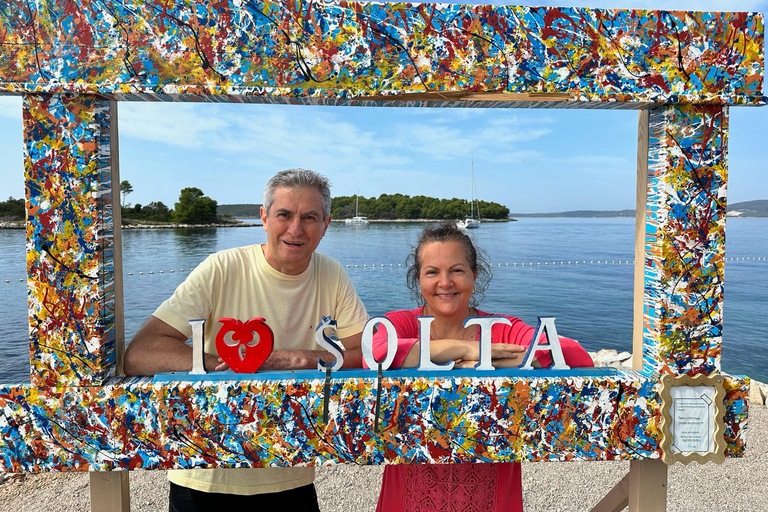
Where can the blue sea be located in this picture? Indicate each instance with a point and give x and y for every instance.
(578, 270)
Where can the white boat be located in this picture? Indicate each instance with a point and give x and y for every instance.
(471, 222)
(356, 219)
(468, 223)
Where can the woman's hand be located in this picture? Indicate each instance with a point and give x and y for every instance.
(503, 355)
(442, 351)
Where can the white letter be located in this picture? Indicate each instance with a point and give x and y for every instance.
(546, 324)
(425, 361)
(328, 344)
(198, 347)
(367, 342)
(485, 323)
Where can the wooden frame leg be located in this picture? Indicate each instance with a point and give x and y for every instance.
(617, 498)
(110, 491)
(647, 486)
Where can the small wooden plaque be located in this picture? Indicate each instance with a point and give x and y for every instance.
(692, 423)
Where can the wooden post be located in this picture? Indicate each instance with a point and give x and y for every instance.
(110, 490)
(647, 489)
(117, 241)
(640, 203)
(647, 486)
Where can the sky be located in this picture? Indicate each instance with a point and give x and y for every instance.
(530, 160)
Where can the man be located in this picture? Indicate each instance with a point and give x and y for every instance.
(283, 281)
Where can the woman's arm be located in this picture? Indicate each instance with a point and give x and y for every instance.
(407, 332)
(465, 352)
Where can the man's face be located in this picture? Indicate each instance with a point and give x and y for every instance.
(294, 226)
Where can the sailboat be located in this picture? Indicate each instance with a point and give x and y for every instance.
(356, 219)
(471, 222)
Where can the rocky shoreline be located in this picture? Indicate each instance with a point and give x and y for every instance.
(129, 225)
(178, 226)
(407, 221)
(22, 225)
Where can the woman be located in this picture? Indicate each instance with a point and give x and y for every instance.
(448, 278)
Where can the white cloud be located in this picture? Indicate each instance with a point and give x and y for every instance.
(518, 157)
(549, 163)
(185, 125)
(592, 160)
(325, 137)
(373, 152)
(10, 106)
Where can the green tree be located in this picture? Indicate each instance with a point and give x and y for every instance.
(493, 210)
(194, 207)
(342, 207)
(157, 211)
(12, 208)
(125, 189)
(406, 208)
(401, 206)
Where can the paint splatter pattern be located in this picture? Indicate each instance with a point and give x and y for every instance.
(321, 52)
(685, 239)
(135, 423)
(69, 242)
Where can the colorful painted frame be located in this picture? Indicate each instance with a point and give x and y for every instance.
(73, 60)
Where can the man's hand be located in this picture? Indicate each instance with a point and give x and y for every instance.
(307, 359)
(215, 362)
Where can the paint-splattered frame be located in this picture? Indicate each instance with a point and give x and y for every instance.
(73, 60)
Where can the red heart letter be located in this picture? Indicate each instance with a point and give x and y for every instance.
(243, 354)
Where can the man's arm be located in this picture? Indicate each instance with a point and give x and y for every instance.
(158, 348)
(307, 359)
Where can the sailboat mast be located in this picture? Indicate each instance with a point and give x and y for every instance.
(474, 194)
(472, 197)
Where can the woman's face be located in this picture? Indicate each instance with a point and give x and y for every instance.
(446, 279)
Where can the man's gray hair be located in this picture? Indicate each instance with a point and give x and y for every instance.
(294, 178)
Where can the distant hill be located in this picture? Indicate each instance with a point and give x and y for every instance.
(239, 210)
(758, 208)
(579, 214)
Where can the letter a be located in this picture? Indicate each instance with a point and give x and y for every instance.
(546, 325)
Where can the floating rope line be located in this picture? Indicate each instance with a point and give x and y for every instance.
(549, 263)
(396, 265)
(152, 272)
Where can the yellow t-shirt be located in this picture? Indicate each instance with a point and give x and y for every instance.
(239, 283)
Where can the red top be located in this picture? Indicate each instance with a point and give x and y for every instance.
(519, 333)
(465, 487)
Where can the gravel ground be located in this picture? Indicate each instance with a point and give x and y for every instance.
(735, 486)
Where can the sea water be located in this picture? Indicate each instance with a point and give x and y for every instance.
(577, 270)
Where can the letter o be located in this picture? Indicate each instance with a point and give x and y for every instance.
(367, 343)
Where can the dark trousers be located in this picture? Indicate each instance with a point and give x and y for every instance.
(301, 499)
